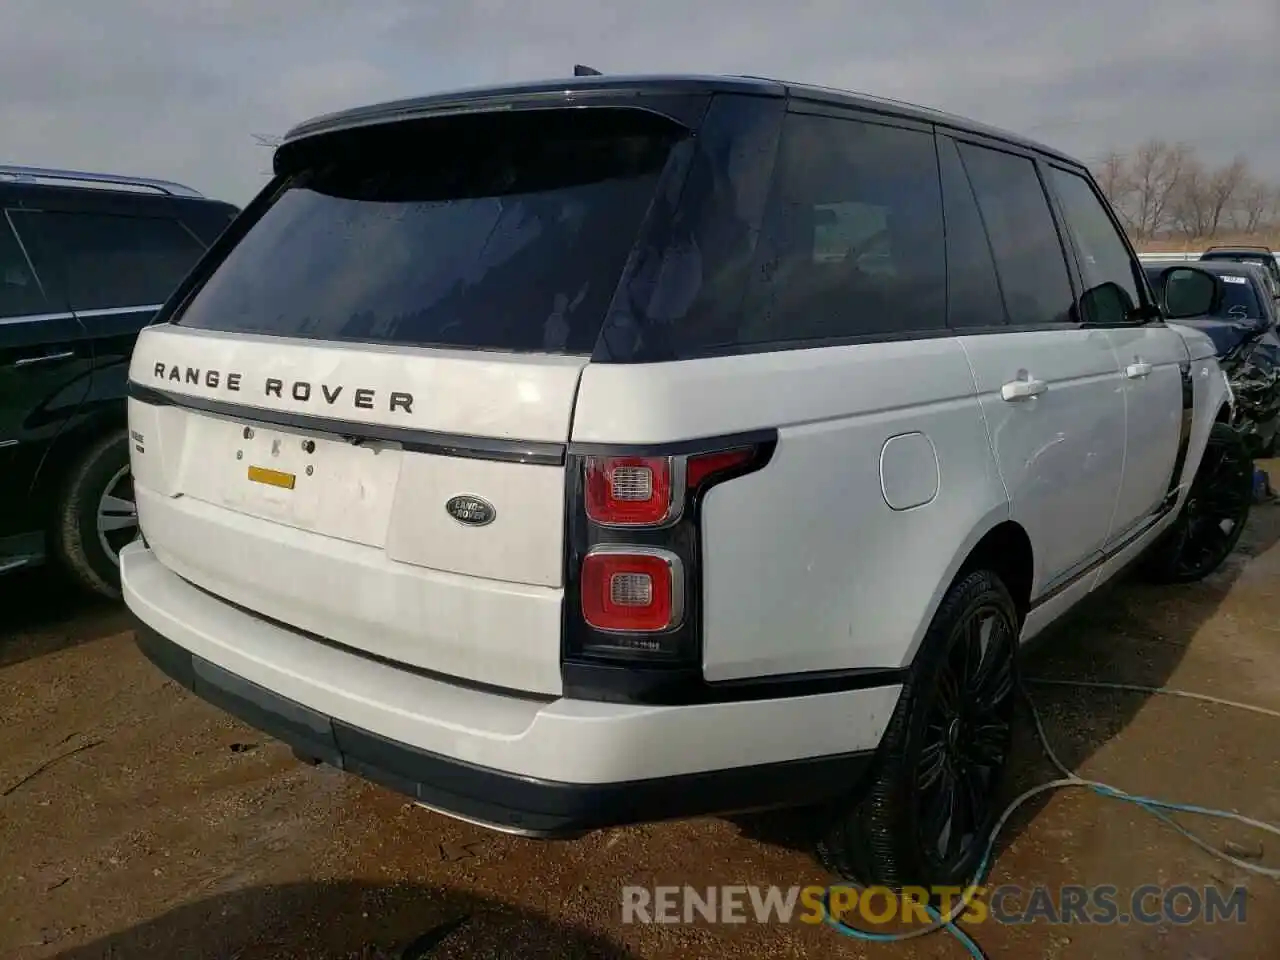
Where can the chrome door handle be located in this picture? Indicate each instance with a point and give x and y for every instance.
(1137, 370)
(44, 358)
(1016, 390)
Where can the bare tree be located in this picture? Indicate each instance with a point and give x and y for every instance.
(1272, 218)
(1189, 207)
(1155, 171)
(1254, 203)
(1159, 188)
(1116, 180)
(1222, 190)
(1113, 177)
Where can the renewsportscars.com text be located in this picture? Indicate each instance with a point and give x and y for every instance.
(1006, 904)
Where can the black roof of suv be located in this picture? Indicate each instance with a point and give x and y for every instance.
(582, 89)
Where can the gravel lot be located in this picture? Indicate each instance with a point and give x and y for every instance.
(135, 821)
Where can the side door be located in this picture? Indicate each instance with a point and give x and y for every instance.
(1153, 358)
(45, 363)
(119, 265)
(1050, 389)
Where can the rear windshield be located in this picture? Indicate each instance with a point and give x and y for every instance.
(1239, 301)
(494, 233)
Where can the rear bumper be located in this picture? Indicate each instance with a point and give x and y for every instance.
(535, 767)
(492, 798)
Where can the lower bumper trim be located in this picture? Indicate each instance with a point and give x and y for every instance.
(495, 798)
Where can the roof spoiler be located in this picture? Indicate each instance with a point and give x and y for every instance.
(583, 71)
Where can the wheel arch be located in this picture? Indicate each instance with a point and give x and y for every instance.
(73, 441)
(998, 543)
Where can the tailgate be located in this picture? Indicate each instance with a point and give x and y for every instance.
(379, 509)
(353, 416)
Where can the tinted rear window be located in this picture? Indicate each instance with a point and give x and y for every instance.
(1239, 302)
(499, 233)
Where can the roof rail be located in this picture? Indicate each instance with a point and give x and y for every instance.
(16, 174)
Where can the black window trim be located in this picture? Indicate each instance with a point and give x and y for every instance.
(1146, 296)
(834, 111)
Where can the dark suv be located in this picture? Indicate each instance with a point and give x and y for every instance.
(1241, 322)
(86, 260)
(1263, 256)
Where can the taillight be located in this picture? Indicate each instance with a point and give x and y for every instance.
(634, 554)
(708, 465)
(632, 589)
(632, 491)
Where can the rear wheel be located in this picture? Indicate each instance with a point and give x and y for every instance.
(1213, 517)
(97, 516)
(932, 799)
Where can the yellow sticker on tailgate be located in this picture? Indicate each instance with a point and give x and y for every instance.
(272, 478)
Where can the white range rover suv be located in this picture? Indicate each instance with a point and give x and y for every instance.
(610, 450)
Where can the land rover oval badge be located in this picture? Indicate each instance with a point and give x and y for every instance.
(471, 510)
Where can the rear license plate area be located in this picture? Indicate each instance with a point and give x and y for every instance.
(302, 479)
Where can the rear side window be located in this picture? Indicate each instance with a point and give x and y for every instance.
(1028, 253)
(20, 294)
(973, 291)
(853, 238)
(498, 232)
(1102, 254)
(106, 261)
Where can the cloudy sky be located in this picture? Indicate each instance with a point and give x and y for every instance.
(177, 88)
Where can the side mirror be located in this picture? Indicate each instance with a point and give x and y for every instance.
(1108, 303)
(1187, 292)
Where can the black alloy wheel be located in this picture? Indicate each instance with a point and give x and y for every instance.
(1214, 514)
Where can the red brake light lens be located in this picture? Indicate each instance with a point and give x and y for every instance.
(632, 589)
(701, 467)
(630, 491)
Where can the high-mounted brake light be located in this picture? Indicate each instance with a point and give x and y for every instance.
(632, 589)
(633, 491)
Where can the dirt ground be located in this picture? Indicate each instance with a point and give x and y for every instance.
(136, 821)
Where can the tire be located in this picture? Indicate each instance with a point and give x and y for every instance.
(887, 836)
(99, 479)
(1197, 543)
